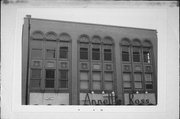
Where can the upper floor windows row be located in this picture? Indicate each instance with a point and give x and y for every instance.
(136, 50)
(96, 39)
(52, 36)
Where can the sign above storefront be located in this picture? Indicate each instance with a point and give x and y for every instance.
(139, 99)
(98, 99)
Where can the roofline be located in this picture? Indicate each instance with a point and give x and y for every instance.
(29, 17)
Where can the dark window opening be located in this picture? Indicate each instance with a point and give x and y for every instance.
(84, 53)
(63, 52)
(49, 84)
(107, 55)
(149, 86)
(125, 53)
(96, 54)
(50, 75)
(136, 54)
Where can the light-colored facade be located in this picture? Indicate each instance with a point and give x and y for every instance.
(69, 63)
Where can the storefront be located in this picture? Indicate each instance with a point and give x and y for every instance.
(70, 63)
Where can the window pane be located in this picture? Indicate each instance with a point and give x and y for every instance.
(63, 84)
(96, 85)
(138, 85)
(148, 77)
(96, 76)
(36, 73)
(84, 85)
(49, 84)
(127, 85)
(63, 75)
(108, 76)
(107, 54)
(125, 53)
(35, 83)
(126, 77)
(36, 53)
(83, 75)
(146, 55)
(50, 53)
(137, 77)
(149, 86)
(96, 54)
(50, 73)
(83, 53)
(108, 85)
(136, 54)
(63, 52)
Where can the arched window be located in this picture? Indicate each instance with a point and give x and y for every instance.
(107, 48)
(96, 47)
(50, 45)
(136, 50)
(147, 51)
(125, 45)
(84, 47)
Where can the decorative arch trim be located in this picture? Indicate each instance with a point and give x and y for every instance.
(38, 35)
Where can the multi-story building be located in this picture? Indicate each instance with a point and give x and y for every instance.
(70, 63)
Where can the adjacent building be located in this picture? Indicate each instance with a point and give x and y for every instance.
(70, 63)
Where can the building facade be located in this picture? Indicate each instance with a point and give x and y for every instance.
(69, 63)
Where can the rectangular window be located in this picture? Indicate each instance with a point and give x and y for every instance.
(50, 76)
(96, 78)
(63, 52)
(107, 55)
(146, 55)
(136, 54)
(63, 79)
(50, 53)
(125, 53)
(84, 82)
(148, 81)
(35, 78)
(36, 73)
(108, 81)
(36, 53)
(84, 53)
(127, 80)
(95, 54)
(149, 86)
(137, 80)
